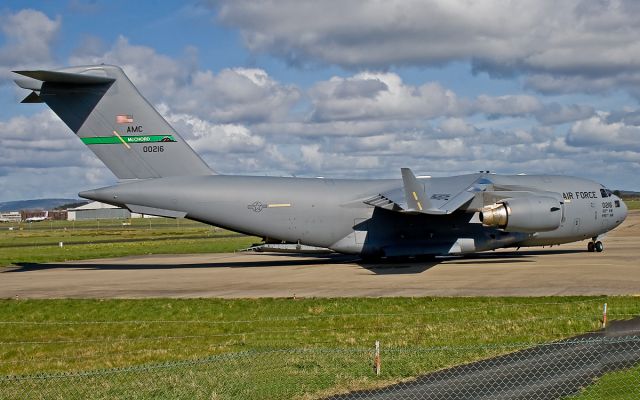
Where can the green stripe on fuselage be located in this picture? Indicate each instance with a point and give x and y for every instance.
(128, 139)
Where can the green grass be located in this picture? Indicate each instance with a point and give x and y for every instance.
(268, 348)
(39, 242)
(633, 204)
(620, 385)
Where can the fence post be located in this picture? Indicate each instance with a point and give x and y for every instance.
(376, 359)
(604, 316)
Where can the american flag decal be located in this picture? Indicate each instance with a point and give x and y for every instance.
(124, 119)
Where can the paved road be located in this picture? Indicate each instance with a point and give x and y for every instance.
(545, 372)
(563, 270)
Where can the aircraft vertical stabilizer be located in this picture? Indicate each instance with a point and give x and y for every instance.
(101, 105)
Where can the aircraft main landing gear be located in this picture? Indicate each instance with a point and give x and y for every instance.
(595, 246)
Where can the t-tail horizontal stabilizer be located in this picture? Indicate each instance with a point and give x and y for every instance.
(35, 80)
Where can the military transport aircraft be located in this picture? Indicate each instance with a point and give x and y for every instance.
(413, 216)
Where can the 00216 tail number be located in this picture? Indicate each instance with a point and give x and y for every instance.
(152, 149)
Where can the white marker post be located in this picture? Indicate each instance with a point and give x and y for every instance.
(604, 316)
(376, 359)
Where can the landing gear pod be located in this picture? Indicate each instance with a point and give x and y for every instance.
(524, 214)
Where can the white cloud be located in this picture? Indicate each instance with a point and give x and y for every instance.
(553, 84)
(370, 95)
(207, 137)
(509, 105)
(598, 133)
(562, 44)
(156, 75)
(456, 127)
(63, 181)
(236, 94)
(41, 157)
(28, 38)
(369, 124)
(317, 161)
(556, 114)
(43, 131)
(232, 95)
(311, 156)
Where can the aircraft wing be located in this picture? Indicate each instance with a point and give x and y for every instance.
(423, 196)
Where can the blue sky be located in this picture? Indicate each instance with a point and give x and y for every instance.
(342, 89)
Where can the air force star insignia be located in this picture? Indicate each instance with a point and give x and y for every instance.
(257, 206)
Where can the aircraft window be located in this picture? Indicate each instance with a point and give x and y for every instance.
(617, 202)
(603, 193)
(609, 193)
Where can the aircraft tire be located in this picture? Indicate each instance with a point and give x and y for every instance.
(599, 246)
(591, 247)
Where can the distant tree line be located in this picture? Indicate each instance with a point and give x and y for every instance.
(626, 195)
(71, 205)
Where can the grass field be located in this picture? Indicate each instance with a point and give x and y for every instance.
(265, 348)
(613, 386)
(39, 242)
(633, 204)
(276, 348)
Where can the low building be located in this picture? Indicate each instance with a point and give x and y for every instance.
(11, 216)
(98, 210)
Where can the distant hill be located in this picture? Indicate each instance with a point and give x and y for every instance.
(628, 194)
(37, 204)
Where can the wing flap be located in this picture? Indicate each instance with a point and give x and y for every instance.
(381, 201)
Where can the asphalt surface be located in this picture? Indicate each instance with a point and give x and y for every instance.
(561, 270)
(549, 371)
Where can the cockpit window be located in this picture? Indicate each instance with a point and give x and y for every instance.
(617, 202)
(605, 193)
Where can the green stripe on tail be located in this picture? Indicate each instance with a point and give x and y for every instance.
(128, 139)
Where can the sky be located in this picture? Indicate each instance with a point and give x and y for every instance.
(353, 89)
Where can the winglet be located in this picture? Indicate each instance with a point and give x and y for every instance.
(414, 192)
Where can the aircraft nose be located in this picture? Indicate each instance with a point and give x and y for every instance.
(623, 211)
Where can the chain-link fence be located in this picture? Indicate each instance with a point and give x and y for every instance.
(585, 368)
(321, 348)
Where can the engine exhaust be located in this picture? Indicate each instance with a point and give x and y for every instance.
(495, 215)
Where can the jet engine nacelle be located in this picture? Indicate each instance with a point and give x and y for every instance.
(523, 214)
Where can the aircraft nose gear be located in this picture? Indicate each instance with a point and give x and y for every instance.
(595, 246)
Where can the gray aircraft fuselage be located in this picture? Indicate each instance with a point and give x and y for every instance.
(330, 212)
(160, 174)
